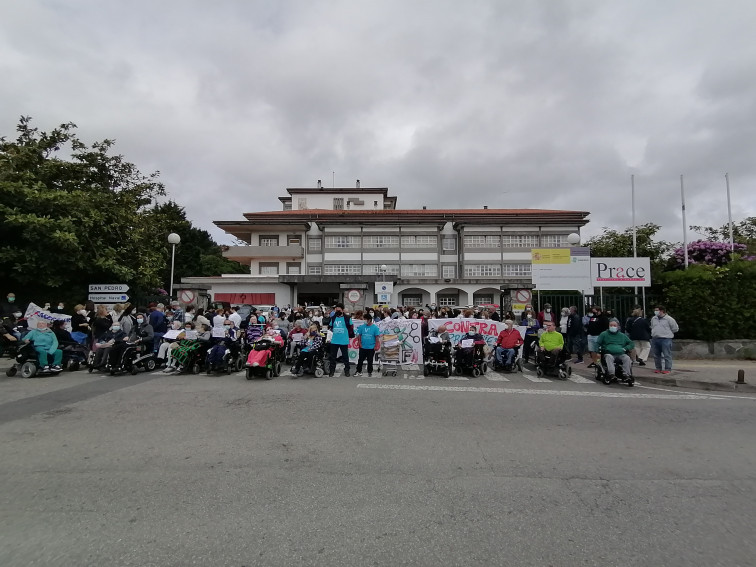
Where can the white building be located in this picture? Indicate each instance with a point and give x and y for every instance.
(329, 245)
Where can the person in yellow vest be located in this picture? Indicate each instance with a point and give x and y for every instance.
(551, 341)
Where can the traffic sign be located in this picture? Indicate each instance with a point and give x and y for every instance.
(384, 287)
(384, 298)
(108, 288)
(354, 295)
(186, 296)
(108, 297)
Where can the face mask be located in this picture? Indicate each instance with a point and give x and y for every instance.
(613, 329)
(656, 312)
(548, 311)
(226, 327)
(116, 329)
(61, 306)
(82, 312)
(140, 320)
(187, 328)
(11, 299)
(169, 318)
(470, 333)
(17, 314)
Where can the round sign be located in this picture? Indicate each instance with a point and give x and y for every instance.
(523, 296)
(353, 295)
(186, 296)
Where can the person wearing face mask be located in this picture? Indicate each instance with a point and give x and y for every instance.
(102, 322)
(10, 305)
(598, 322)
(507, 343)
(466, 353)
(575, 334)
(663, 329)
(616, 346)
(531, 324)
(341, 327)
(550, 342)
(158, 322)
(222, 345)
(546, 315)
(311, 347)
(105, 343)
(46, 344)
(366, 340)
(79, 321)
(638, 328)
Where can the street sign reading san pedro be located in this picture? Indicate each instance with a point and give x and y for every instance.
(108, 288)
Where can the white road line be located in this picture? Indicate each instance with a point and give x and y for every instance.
(454, 377)
(534, 378)
(580, 380)
(535, 392)
(722, 396)
(497, 378)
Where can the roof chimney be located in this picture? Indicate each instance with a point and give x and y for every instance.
(424, 207)
(485, 206)
(358, 184)
(320, 185)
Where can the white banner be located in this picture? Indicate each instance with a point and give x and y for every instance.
(458, 328)
(34, 314)
(621, 272)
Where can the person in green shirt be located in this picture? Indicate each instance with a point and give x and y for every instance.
(551, 342)
(615, 346)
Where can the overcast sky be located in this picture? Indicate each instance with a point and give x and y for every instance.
(550, 104)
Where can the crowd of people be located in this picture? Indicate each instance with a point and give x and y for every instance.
(547, 330)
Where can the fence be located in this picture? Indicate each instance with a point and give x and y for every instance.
(621, 304)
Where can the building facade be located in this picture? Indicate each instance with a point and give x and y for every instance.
(329, 245)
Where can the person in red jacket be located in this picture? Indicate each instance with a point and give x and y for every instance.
(509, 340)
(547, 315)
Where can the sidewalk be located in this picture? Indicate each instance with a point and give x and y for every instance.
(718, 375)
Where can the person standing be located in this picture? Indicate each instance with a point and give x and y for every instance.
(638, 329)
(597, 324)
(575, 334)
(663, 329)
(342, 330)
(158, 322)
(366, 337)
(235, 317)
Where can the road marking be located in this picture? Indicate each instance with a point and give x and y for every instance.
(497, 378)
(534, 378)
(453, 377)
(701, 394)
(536, 392)
(580, 380)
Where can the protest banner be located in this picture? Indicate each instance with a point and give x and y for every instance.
(458, 328)
(34, 314)
(410, 337)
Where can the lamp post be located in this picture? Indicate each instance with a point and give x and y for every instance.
(173, 239)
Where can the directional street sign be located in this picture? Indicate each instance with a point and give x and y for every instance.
(108, 288)
(108, 297)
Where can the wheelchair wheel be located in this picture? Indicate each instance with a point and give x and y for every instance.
(539, 371)
(426, 370)
(569, 371)
(134, 371)
(630, 382)
(476, 372)
(249, 374)
(458, 370)
(11, 371)
(484, 368)
(239, 366)
(605, 378)
(447, 371)
(562, 375)
(28, 369)
(268, 374)
(195, 368)
(150, 364)
(278, 368)
(319, 372)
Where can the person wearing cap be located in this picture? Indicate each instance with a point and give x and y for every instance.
(509, 340)
(341, 328)
(546, 315)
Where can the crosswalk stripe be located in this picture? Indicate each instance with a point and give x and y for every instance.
(579, 379)
(533, 378)
(497, 378)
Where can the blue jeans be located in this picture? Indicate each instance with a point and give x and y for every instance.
(500, 352)
(662, 349)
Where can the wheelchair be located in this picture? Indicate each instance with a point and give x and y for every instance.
(437, 357)
(27, 362)
(318, 364)
(547, 363)
(473, 362)
(601, 372)
(516, 365)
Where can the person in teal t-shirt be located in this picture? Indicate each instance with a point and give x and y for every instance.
(366, 336)
(341, 327)
(45, 342)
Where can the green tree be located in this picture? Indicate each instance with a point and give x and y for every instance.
(743, 232)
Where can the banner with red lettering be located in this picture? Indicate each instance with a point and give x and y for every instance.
(458, 328)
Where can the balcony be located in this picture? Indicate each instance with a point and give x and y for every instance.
(244, 254)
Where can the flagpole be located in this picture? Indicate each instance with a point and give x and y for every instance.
(635, 231)
(729, 213)
(684, 222)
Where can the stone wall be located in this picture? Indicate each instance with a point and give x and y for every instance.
(734, 349)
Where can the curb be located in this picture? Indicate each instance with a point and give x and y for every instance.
(698, 384)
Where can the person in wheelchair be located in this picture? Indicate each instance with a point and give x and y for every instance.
(313, 345)
(469, 347)
(614, 347)
(507, 345)
(550, 346)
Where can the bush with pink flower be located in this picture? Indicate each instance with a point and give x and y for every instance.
(709, 252)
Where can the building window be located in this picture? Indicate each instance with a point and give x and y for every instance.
(519, 241)
(483, 299)
(412, 300)
(449, 243)
(302, 203)
(480, 241)
(342, 269)
(380, 242)
(554, 240)
(482, 270)
(287, 205)
(338, 203)
(314, 244)
(447, 300)
(342, 242)
(517, 269)
(268, 268)
(375, 269)
(420, 241)
(448, 271)
(420, 270)
(314, 270)
(268, 240)
(293, 268)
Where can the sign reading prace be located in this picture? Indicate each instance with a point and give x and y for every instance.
(619, 272)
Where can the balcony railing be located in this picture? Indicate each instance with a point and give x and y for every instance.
(240, 253)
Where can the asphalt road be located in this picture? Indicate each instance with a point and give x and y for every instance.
(197, 470)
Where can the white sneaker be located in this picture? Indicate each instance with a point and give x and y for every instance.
(357, 374)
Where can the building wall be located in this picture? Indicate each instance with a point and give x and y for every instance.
(325, 200)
